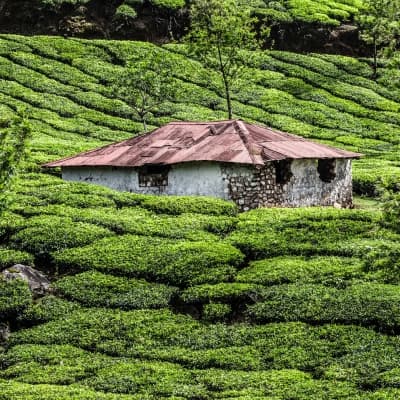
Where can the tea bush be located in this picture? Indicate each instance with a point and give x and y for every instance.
(15, 296)
(279, 270)
(366, 304)
(43, 235)
(173, 262)
(46, 309)
(9, 257)
(221, 292)
(95, 289)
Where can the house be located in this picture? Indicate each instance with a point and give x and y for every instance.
(252, 165)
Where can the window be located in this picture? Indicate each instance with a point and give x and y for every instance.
(283, 172)
(153, 176)
(327, 170)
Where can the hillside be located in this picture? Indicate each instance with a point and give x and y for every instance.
(64, 86)
(185, 298)
(302, 25)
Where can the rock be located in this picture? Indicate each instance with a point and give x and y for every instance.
(4, 332)
(37, 281)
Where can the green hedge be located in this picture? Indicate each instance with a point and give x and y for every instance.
(174, 262)
(46, 309)
(45, 234)
(95, 289)
(9, 257)
(278, 270)
(368, 304)
(221, 292)
(15, 296)
(13, 390)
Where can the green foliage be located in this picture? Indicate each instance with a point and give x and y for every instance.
(94, 289)
(379, 24)
(176, 263)
(9, 257)
(47, 309)
(279, 270)
(43, 235)
(277, 232)
(176, 205)
(14, 134)
(215, 312)
(145, 84)
(222, 292)
(220, 31)
(366, 304)
(14, 297)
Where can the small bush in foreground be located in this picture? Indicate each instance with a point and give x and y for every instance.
(14, 297)
(95, 289)
(366, 304)
(10, 257)
(174, 262)
(48, 233)
(278, 270)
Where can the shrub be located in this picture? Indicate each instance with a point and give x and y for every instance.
(366, 304)
(12, 390)
(46, 234)
(188, 204)
(214, 312)
(177, 263)
(9, 224)
(223, 292)
(14, 297)
(46, 309)
(278, 270)
(61, 365)
(95, 289)
(9, 257)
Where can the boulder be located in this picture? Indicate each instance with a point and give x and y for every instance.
(4, 332)
(37, 281)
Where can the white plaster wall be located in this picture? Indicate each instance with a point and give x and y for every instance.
(307, 189)
(203, 179)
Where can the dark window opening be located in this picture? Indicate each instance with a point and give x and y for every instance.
(283, 171)
(153, 176)
(327, 170)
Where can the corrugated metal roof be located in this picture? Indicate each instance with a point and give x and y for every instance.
(224, 141)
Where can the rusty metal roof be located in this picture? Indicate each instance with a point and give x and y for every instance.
(225, 141)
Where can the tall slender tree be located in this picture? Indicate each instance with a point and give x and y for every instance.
(145, 84)
(220, 32)
(379, 22)
(14, 134)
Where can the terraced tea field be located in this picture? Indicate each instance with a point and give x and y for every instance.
(184, 298)
(64, 85)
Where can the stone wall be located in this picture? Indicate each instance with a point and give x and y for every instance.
(253, 187)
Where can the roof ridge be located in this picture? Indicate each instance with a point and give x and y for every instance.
(245, 136)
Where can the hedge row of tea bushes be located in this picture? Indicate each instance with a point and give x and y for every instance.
(262, 323)
(65, 87)
(349, 358)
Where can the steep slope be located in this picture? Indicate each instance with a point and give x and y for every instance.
(64, 84)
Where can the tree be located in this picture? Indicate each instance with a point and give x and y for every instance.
(14, 134)
(145, 84)
(380, 27)
(220, 32)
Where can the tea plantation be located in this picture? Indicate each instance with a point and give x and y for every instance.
(184, 298)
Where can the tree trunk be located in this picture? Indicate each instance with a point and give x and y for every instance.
(375, 66)
(227, 95)
(144, 124)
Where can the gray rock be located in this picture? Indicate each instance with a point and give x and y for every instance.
(37, 281)
(4, 332)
